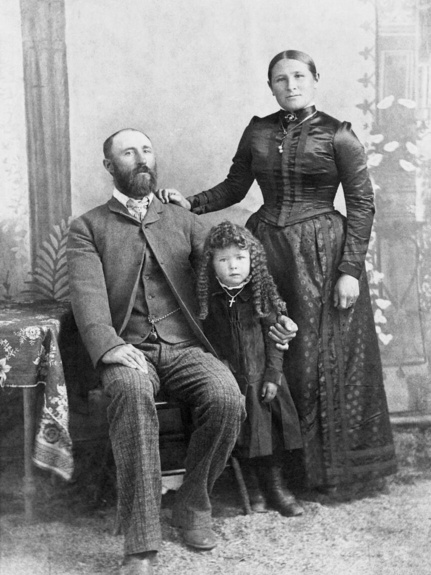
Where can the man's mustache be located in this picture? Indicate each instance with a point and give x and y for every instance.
(142, 170)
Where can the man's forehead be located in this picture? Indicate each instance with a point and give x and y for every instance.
(130, 138)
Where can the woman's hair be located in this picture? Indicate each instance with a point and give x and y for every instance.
(293, 55)
(224, 235)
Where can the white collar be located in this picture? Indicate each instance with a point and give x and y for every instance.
(123, 199)
(244, 283)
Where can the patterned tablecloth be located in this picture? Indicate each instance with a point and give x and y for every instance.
(30, 355)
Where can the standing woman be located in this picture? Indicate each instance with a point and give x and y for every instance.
(299, 156)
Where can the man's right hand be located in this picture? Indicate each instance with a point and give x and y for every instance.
(172, 196)
(127, 355)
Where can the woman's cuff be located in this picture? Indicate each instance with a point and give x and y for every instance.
(351, 270)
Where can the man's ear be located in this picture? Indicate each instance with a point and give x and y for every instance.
(108, 164)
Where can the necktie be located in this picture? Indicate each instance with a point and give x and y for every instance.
(138, 208)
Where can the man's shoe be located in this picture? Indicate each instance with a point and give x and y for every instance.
(203, 539)
(139, 564)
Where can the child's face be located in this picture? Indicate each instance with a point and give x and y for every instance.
(232, 265)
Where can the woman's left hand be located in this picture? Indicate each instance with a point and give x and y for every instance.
(283, 331)
(346, 292)
(172, 196)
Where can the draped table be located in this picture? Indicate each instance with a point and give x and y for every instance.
(29, 356)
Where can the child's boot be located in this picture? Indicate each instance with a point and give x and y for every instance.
(279, 496)
(255, 494)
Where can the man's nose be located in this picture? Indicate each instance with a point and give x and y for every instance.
(141, 157)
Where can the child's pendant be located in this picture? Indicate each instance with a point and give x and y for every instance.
(233, 297)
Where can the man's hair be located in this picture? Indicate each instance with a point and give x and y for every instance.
(265, 295)
(107, 144)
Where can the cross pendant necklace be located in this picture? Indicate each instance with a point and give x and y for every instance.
(231, 297)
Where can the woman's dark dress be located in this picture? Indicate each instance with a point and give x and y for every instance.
(240, 337)
(333, 366)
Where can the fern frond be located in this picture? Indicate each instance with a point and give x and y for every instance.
(50, 276)
(48, 259)
(43, 273)
(54, 241)
(49, 249)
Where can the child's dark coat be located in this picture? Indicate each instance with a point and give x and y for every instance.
(240, 338)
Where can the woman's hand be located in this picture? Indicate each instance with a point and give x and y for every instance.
(282, 332)
(269, 391)
(172, 196)
(346, 292)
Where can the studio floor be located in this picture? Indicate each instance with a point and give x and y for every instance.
(387, 532)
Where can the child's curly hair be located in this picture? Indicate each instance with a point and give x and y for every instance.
(265, 293)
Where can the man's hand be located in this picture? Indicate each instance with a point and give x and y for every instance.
(127, 355)
(346, 291)
(172, 196)
(269, 391)
(283, 331)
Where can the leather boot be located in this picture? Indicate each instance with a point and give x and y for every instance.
(255, 494)
(279, 496)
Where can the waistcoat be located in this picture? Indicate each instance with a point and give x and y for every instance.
(155, 299)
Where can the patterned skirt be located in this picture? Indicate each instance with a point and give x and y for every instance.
(333, 366)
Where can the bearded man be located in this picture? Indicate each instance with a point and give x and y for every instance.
(132, 290)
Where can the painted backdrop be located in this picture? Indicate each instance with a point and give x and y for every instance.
(191, 74)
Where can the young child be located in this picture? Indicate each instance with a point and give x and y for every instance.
(238, 302)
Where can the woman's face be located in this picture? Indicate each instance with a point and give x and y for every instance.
(293, 85)
(232, 265)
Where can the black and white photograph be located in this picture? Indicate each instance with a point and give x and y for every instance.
(215, 287)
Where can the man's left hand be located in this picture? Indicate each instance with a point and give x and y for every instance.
(283, 332)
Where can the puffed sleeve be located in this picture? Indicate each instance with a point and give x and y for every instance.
(235, 186)
(351, 164)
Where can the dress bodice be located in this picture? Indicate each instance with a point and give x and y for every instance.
(301, 182)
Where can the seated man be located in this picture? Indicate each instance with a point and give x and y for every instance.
(131, 282)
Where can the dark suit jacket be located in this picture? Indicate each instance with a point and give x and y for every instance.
(106, 249)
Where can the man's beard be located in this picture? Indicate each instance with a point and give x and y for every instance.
(132, 184)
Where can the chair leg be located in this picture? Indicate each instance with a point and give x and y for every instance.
(103, 473)
(241, 485)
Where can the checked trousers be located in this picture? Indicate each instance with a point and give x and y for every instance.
(190, 374)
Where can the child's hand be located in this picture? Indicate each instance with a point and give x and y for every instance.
(269, 391)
